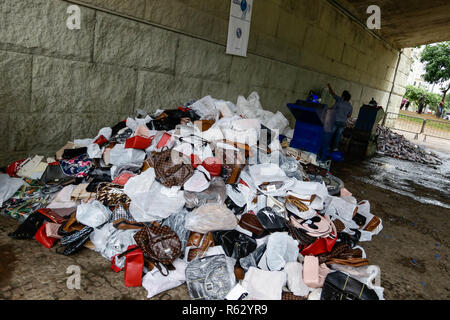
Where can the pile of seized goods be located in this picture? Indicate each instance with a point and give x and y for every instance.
(397, 146)
(203, 195)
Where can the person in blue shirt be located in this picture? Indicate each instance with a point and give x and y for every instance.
(343, 110)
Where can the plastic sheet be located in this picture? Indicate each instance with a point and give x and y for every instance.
(211, 217)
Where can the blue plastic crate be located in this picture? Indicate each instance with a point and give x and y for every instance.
(308, 127)
(307, 137)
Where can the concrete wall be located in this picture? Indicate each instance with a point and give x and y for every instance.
(58, 84)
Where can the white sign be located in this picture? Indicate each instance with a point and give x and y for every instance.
(239, 27)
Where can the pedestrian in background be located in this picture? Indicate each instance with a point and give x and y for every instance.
(344, 110)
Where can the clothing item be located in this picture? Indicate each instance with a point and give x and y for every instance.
(344, 109)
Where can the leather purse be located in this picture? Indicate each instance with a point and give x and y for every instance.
(73, 153)
(235, 244)
(53, 174)
(250, 222)
(52, 215)
(42, 238)
(172, 173)
(271, 221)
(202, 242)
(373, 223)
(134, 266)
(160, 245)
(70, 226)
(51, 229)
(75, 242)
(339, 286)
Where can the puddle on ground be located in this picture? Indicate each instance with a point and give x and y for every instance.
(427, 184)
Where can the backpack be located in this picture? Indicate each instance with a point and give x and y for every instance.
(171, 173)
(160, 245)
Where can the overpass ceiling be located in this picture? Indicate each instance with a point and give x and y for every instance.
(407, 23)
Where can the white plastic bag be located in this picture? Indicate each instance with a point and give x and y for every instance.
(206, 108)
(106, 132)
(155, 283)
(8, 186)
(211, 217)
(156, 204)
(141, 183)
(93, 214)
(121, 156)
(281, 249)
(109, 241)
(94, 151)
(295, 283)
(264, 285)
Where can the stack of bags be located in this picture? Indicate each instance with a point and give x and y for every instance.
(204, 195)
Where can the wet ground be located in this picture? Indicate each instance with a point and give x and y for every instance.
(413, 200)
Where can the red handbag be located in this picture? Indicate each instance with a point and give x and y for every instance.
(53, 216)
(123, 178)
(213, 165)
(163, 141)
(13, 168)
(134, 266)
(42, 238)
(101, 141)
(319, 246)
(138, 142)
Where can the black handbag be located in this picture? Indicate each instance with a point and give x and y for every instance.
(28, 228)
(235, 244)
(339, 286)
(53, 174)
(271, 221)
(73, 153)
(253, 258)
(74, 243)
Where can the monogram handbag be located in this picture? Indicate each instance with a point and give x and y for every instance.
(160, 245)
(171, 170)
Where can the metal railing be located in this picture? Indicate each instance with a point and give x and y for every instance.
(417, 125)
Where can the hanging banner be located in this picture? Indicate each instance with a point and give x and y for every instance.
(239, 27)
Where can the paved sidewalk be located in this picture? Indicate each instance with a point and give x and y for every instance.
(30, 271)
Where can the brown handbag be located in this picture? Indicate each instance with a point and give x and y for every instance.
(202, 242)
(251, 223)
(171, 171)
(160, 245)
(373, 223)
(353, 262)
(111, 195)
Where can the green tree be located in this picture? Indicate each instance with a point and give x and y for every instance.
(414, 94)
(436, 58)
